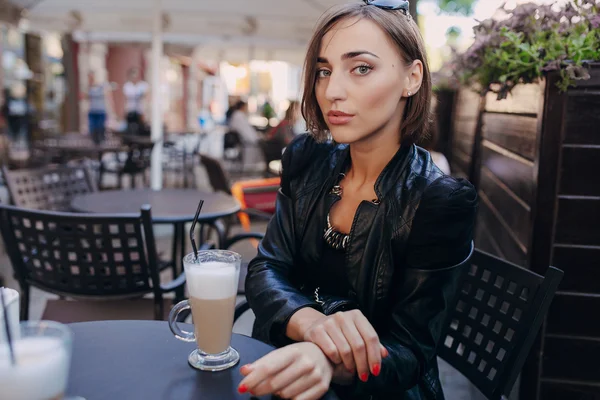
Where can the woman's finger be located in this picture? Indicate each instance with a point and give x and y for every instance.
(315, 392)
(371, 340)
(300, 386)
(266, 367)
(359, 348)
(343, 347)
(284, 378)
(321, 338)
(384, 351)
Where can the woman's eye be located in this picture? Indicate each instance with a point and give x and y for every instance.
(323, 73)
(363, 69)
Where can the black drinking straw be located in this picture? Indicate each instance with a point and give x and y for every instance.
(193, 228)
(8, 337)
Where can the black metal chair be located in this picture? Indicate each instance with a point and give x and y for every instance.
(136, 163)
(234, 149)
(47, 188)
(87, 257)
(219, 181)
(499, 311)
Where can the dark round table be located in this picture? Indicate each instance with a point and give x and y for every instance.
(143, 360)
(168, 205)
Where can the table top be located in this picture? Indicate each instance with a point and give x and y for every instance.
(143, 360)
(168, 205)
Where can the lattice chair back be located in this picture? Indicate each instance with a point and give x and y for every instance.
(499, 311)
(50, 189)
(81, 255)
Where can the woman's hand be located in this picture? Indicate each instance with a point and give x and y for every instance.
(348, 338)
(299, 371)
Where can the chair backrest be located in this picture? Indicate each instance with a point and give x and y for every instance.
(499, 311)
(216, 174)
(232, 139)
(82, 255)
(47, 188)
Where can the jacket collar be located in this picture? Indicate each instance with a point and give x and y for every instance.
(389, 176)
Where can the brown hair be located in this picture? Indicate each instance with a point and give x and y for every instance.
(404, 32)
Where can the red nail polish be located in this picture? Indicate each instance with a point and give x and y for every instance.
(243, 368)
(252, 393)
(242, 389)
(364, 377)
(376, 369)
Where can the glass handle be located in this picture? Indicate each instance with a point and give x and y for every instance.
(180, 334)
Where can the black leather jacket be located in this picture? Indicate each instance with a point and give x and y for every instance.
(401, 260)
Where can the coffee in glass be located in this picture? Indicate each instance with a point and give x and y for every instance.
(212, 281)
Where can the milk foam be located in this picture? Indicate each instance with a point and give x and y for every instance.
(211, 280)
(41, 371)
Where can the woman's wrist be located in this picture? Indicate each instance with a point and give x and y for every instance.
(300, 322)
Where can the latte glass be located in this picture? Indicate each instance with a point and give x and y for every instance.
(43, 356)
(212, 281)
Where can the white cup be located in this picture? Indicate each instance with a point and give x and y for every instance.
(11, 299)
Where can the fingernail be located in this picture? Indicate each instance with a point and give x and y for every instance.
(364, 377)
(376, 369)
(244, 368)
(386, 353)
(252, 393)
(242, 389)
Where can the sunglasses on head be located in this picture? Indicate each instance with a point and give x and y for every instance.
(401, 5)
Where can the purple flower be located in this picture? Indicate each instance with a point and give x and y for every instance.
(595, 21)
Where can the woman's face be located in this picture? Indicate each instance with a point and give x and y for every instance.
(362, 81)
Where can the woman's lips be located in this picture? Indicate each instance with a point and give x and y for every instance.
(339, 118)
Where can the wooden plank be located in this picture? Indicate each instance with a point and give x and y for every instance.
(524, 99)
(575, 359)
(564, 320)
(465, 145)
(579, 170)
(515, 133)
(467, 104)
(582, 119)
(461, 160)
(581, 266)
(485, 241)
(515, 173)
(496, 227)
(569, 391)
(578, 222)
(513, 210)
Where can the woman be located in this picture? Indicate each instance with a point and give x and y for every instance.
(237, 120)
(100, 100)
(135, 91)
(354, 276)
(283, 133)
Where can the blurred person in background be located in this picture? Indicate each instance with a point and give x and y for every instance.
(237, 120)
(136, 93)
(101, 103)
(283, 133)
(17, 112)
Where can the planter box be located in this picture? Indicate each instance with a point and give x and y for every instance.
(535, 159)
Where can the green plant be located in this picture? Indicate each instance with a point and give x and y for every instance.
(534, 39)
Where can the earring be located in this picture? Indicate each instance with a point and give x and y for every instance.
(409, 93)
